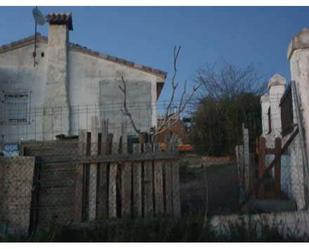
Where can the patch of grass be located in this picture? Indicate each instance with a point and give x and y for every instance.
(129, 230)
(188, 229)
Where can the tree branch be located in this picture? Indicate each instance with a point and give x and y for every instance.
(126, 111)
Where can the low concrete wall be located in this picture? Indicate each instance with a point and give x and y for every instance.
(16, 181)
(288, 224)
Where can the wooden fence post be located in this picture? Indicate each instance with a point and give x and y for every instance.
(137, 183)
(158, 184)
(278, 168)
(102, 209)
(126, 176)
(148, 183)
(175, 190)
(262, 150)
(78, 202)
(168, 187)
(112, 188)
(93, 170)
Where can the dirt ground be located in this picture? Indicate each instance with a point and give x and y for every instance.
(213, 187)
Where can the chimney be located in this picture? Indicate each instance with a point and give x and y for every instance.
(56, 116)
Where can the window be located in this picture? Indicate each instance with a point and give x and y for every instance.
(17, 107)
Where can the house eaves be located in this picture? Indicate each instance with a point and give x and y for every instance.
(40, 38)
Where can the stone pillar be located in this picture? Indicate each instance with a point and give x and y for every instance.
(298, 55)
(56, 115)
(265, 107)
(276, 88)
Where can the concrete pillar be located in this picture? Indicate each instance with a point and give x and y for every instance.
(265, 107)
(56, 117)
(298, 55)
(276, 88)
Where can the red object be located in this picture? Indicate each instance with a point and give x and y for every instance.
(185, 148)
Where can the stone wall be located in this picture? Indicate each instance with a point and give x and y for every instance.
(288, 224)
(16, 181)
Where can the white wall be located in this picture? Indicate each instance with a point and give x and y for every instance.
(95, 81)
(18, 73)
(86, 73)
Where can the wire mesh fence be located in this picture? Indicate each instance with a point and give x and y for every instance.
(44, 123)
(107, 172)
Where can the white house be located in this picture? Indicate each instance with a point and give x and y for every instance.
(67, 85)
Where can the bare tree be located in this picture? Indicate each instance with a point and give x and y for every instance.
(125, 110)
(171, 114)
(229, 81)
(229, 96)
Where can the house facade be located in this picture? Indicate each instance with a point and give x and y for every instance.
(64, 85)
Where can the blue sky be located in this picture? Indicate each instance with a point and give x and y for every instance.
(147, 35)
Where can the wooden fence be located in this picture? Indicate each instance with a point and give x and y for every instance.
(97, 177)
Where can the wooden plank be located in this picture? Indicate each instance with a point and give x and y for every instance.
(148, 184)
(93, 170)
(129, 157)
(168, 188)
(284, 148)
(270, 151)
(158, 187)
(175, 189)
(278, 168)
(104, 137)
(137, 184)
(102, 195)
(126, 176)
(158, 184)
(112, 201)
(78, 203)
(262, 146)
(112, 188)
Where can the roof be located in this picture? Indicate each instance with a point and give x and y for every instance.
(40, 38)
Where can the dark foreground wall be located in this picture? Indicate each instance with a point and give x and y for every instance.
(16, 181)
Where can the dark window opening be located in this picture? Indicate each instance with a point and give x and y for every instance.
(269, 120)
(286, 105)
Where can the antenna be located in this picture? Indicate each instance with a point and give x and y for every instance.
(38, 19)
